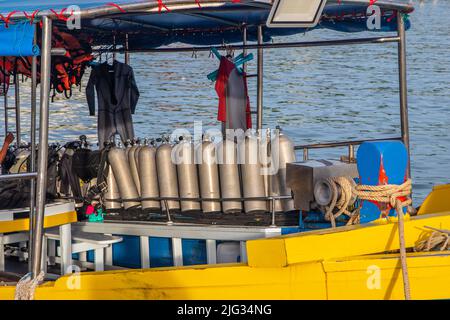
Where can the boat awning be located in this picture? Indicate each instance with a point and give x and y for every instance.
(151, 24)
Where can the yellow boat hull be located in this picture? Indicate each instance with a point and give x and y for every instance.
(327, 264)
(358, 278)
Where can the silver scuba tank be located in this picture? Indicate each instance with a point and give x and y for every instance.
(187, 175)
(133, 166)
(148, 177)
(229, 176)
(270, 154)
(252, 177)
(167, 176)
(112, 192)
(136, 160)
(208, 175)
(118, 161)
(271, 185)
(287, 155)
(274, 184)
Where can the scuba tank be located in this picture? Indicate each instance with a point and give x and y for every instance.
(286, 155)
(252, 177)
(167, 175)
(229, 176)
(209, 175)
(187, 175)
(269, 152)
(133, 166)
(136, 160)
(148, 176)
(112, 192)
(118, 161)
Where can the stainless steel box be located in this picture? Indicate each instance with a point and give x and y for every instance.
(302, 176)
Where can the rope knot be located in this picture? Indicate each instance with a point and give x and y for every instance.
(396, 196)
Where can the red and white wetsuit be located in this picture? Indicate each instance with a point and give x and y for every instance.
(234, 104)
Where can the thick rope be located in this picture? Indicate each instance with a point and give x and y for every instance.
(26, 286)
(438, 240)
(342, 202)
(390, 194)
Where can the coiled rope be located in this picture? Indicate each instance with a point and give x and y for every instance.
(342, 202)
(26, 286)
(390, 194)
(438, 240)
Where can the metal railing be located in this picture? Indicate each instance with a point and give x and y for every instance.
(350, 144)
(15, 176)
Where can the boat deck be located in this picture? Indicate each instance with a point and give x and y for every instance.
(200, 218)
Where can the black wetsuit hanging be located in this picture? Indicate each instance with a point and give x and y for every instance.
(117, 95)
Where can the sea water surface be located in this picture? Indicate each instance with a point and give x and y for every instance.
(314, 94)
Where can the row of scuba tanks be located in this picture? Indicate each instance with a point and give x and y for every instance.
(186, 177)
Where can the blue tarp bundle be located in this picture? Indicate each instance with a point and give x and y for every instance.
(16, 40)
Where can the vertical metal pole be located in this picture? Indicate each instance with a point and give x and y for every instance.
(405, 138)
(33, 152)
(114, 46)
(43, 144)
(351, 152)
(127, 54)
(244, 42)
(260, 82)
(17, 105)
(402, 81)
(5, 101)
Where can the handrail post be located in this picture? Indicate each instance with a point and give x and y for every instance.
(351, 152)
(244, 43)
(5, 98)
(32, 153)
(305, 154)
(403, 83)
(260, 81)
(43, 144)
(127, 52)
(17, 106)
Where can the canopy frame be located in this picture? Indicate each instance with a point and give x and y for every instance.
(46, 50)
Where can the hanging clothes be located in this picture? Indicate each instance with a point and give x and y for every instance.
(4, 76)
(67, 70)
(234, 104)
(117, 96)
(4, 150)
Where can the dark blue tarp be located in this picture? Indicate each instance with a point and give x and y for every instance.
(7, 6)
(206, 25)
(16, 40)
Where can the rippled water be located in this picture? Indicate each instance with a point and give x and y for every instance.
(314, 94)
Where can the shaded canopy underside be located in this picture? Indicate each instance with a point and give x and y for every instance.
(149, 24)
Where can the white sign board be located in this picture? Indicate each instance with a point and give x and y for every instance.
(295, 13)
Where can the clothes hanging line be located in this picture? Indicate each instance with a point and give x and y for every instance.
(303, 44)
